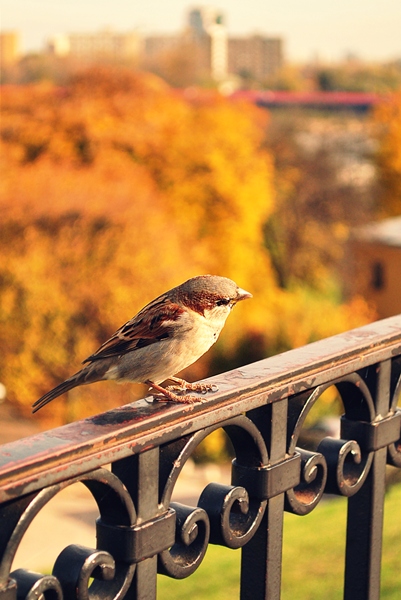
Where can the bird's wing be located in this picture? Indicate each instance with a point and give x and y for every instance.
(153, 323)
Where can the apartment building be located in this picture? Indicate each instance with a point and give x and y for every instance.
(375, 253)
(204, 40)
(255, 56)
(105, 45)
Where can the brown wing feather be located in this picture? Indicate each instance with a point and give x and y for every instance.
(152, 324)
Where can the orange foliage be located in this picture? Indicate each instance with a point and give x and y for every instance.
(388, 157)
(114, 189)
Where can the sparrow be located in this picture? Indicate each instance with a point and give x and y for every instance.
(166, 336)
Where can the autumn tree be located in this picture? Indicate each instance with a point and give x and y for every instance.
(318, 196)
(387, 119)
(114, 188)
(357, 76)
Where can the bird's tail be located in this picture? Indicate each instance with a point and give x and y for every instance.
(93, 372)
(67, 385)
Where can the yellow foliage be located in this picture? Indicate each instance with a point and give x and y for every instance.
(387, 118)
(307, 317)
(114, 189)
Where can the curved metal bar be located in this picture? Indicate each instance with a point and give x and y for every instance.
(355, 395)
(337, 466)
(303, 498)
(262, 407)
(394, 449)
(348, 466)
(115, 506)
(31, 585)
(76, 565)
(249, 447)
(233, 517)
(192, 538)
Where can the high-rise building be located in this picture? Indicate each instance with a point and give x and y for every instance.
(93, 47)
(205, 41)
(201, 51)
(155, 45)
(59, 45)
(200, 20)
(208, 34)
(9, 47)
(255, 56)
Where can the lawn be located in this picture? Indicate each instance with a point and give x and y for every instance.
(313, 559)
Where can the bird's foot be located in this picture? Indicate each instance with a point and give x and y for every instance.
(203, 388)
(168, 396)
(176, 393)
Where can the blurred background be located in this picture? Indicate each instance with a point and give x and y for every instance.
(143, 145)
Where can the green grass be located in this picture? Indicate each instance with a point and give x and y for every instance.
(313, 559)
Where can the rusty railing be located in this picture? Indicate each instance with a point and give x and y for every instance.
(262, 407)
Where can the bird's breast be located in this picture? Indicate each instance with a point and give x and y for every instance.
(192, 337)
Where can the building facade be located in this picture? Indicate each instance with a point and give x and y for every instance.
(204, 42)
(376, 264)
(9, 48)
(157, 45)
(256, 56)
(105, 45)
(207, 34)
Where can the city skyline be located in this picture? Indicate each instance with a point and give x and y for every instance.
(364, 28)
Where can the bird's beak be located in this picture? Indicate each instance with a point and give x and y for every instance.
(243, 294)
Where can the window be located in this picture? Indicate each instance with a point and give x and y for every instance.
(377, 280)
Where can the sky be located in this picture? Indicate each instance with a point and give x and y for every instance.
(311, 29)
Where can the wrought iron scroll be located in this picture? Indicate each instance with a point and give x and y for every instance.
(338, 466)
(225, 515)
(75, 565)
(141, 531)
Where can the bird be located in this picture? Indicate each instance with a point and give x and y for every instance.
(163, 338)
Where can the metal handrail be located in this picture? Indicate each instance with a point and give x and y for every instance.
(262, 407)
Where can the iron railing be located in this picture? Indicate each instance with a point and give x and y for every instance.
(262, 407)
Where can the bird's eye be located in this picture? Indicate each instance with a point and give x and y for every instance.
(223, 302)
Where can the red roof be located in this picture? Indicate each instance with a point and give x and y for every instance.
(270, 97)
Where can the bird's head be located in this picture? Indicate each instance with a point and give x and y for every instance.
(211, 296)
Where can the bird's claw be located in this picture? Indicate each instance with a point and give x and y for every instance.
(177, 398)
(202, 388)
(177, 393)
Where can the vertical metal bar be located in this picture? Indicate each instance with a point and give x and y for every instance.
(365, 512)
(140, 474)
(262, 556)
